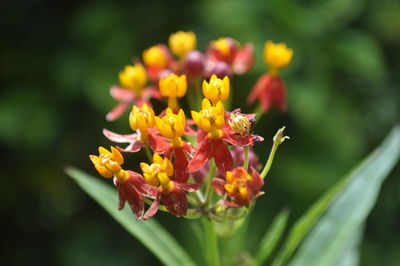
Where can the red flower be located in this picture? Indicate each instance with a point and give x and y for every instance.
(214, 131)
(170, 192)
(269, 90)
(240, 187)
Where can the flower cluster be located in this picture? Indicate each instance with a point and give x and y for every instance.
(190, 157)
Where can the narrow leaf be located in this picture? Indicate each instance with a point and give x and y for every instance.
(384, 156)
(335, 230)
(150, 233)
(272, 237)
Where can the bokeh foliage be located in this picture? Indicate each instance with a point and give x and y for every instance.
(58, 60)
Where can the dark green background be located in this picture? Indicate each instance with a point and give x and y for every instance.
(59, 58)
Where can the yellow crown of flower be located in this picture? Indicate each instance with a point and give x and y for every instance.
(155, 56)
(173, 86)
(236, 183)
(277, 55)
(159, 172)
(108, 163)
(217, 89)
(182, 42)
(211, 118)
(172, 126)
(133, 77)
(142, 118)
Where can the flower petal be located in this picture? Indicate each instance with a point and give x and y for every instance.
(117, 111)
(188, 187)
(115, 137)
(180, 164)
(218, 185)
(175, 201)
(153, 208)
(243, 60)
(158, 144)
(203, 154)
(242, 140)
(222, 156)
(122, 94)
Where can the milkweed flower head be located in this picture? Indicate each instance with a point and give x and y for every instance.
(196, 144)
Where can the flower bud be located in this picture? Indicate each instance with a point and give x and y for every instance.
(194, 63)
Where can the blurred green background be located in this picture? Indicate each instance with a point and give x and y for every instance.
(59, 58)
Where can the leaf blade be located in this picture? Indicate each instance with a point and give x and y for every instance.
(272, 237)
(305, 222)
(335, 230)
(149, 233)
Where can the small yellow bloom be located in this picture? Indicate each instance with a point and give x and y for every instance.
(222, 45)
(141, 119)
(182, 42)
(236, 184)
(159, 172)
(211, 118)
(155, 56)
(217, 89)
(172, 126)
(133, 77)
(240, 123)
(173, 86)
(108, 163)
(277, 55)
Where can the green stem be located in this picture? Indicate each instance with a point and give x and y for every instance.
(148, 153)
(211, 242)
(270, 160)
(211, 174)
(246, 158)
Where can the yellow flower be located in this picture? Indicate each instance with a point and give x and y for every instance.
(172, 126)
(133, 77)
(277, 55)
(217, 89)
(155, 56)
(173, 86)
(141, 119)
(211, 118)
(108, 163)
(182, 42)
(159, 172)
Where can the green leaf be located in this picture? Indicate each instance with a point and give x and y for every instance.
(335, 230)
(378, 164)
(272, 237)
(150, 233)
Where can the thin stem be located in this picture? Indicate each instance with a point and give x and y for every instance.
(269, 162)
(211, 174)
(211, 242)
(246, 158)
(148, 153)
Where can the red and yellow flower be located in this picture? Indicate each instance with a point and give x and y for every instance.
(172, 126)
(142, 120)
(213, 134)
(239, 186)
(227, 50)
(159, 175)
(270, 88)
(133, 80)
(173, 87)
